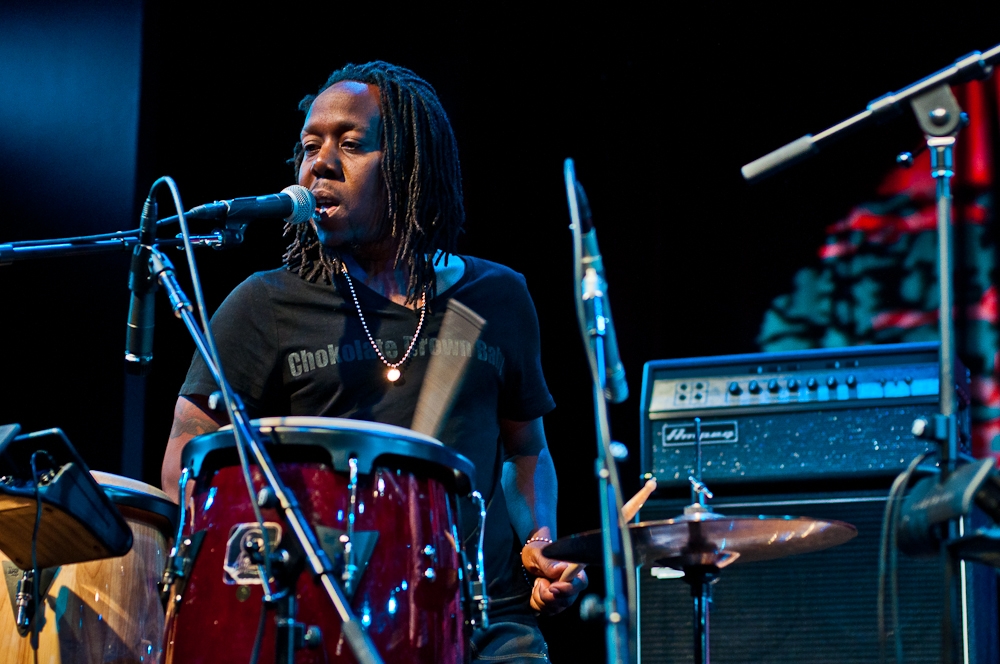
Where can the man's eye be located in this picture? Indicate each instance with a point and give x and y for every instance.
(310, 148)
(350, 146)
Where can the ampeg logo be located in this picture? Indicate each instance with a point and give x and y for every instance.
(682, 433)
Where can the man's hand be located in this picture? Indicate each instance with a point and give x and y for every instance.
(550, 595)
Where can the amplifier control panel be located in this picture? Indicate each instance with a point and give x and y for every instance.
(764, 385)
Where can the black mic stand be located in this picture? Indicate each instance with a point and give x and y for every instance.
(940, 118)
(357, 639)
(161, 270)
(619, 562)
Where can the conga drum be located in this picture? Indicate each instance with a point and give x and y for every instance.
(102, 611)
(383, 503)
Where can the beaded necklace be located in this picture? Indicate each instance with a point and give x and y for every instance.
(393, 374)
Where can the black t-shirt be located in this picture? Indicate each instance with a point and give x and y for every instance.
(291, 347)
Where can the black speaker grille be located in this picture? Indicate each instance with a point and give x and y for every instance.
(818, 607)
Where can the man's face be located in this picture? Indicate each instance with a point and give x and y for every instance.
(341, 163)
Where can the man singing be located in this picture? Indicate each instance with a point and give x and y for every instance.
(370, 278)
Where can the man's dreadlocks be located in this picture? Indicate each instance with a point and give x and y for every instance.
(420, 170)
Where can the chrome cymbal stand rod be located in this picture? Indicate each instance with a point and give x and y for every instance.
(699, 576)
(700, 580)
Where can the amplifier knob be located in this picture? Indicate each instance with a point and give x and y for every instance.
(812, 383)
(772, 385)
(793, 385)
(734, 389)
(754, 387)
(851, 381)
(831, 382)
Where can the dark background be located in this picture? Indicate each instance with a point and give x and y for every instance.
(658, 108)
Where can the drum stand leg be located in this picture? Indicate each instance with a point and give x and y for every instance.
(290, 633)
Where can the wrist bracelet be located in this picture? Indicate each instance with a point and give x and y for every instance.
(536, 539)
(524, 570)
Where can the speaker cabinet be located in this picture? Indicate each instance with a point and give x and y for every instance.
(813, 608)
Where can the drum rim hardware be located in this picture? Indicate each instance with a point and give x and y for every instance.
(20, 592)
(350, 568)
(479, 599)
(371, 446)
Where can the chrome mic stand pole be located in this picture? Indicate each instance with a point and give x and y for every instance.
(619, 564)
(616, 611)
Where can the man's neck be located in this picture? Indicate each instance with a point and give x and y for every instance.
(381, 276)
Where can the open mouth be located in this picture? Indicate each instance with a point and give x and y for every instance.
(325, 206)
(325, 203)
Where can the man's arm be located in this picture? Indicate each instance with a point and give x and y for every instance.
(192, 417)
(530, 487)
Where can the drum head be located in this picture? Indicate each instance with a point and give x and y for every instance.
(373, 445)
(127, 492)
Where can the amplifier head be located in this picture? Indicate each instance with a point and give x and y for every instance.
(795, 416)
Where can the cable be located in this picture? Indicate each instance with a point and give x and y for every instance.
(36, 573)
(890, 522)
(259, 637)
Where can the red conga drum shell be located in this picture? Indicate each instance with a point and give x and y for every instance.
(408, 597)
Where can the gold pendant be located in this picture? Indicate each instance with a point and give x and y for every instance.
(392, 374)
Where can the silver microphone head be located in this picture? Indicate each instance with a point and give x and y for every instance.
(303, 204)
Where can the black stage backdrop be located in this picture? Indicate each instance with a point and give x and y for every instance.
(658, 108)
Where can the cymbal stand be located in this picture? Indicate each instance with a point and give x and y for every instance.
(700, 570)
(700, 577)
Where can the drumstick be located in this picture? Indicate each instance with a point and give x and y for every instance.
(629, 510)
(445, 371)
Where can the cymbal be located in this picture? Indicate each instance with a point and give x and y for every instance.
(707, 538)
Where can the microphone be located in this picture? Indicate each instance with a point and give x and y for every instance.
(295, 204)
(141, 312)
(616, 388)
